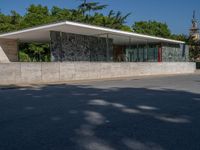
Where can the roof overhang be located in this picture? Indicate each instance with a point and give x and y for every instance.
(42, 34)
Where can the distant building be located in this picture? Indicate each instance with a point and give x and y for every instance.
(194, 30)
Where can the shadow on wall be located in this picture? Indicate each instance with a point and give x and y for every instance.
(84, 117)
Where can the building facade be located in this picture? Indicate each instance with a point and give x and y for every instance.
(76, 47)
(84, 52)
(70, 41)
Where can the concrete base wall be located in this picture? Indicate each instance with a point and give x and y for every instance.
(8, 51)
(17, 73)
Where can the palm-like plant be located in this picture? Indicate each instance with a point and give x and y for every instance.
(115, 20)
(90, 6)
(37, 51)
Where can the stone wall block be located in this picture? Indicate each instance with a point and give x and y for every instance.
(50, 72)
(31, 73)
(17, 73)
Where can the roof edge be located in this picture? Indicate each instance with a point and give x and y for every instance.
(91, 27)
(33, 28)
(123, 32)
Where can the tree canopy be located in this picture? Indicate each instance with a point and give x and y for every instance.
(152, 28)
(37, 15)
(86, 12)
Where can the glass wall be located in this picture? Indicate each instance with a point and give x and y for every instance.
(142, 53)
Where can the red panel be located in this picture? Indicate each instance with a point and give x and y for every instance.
(159, 54)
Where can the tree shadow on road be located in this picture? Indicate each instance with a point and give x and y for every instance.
(85, 117)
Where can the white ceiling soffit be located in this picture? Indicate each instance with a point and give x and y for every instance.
(41, 33)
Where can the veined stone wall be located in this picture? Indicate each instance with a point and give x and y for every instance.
(8, 51)
(75, 47)
(17, 73)
(175, 54)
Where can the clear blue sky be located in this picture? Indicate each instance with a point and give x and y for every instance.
(176, 13)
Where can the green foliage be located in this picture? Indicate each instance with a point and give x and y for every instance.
(36, 15)
(194, 50)
(86, 12)
(24, 57)
(36, 51)
(152, 28)
(58, 14)
(112, 20)
(180, 37)
(9, 22)
(194, 53)
(90, 6)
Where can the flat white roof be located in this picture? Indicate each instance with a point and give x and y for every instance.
(42, 33)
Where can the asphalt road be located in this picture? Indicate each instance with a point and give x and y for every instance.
(155, 113)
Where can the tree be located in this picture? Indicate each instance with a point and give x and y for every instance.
(112, 20)
(90, 6)
(36, 15)
(180, 37)
(194, 50)
(15, 18)
(24, 57)
(35, 51)
(59, 14)
(152, 28)
(118, 20)
(9, 22)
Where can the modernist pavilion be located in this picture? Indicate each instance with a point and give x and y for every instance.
(80, 51)
(71, 41)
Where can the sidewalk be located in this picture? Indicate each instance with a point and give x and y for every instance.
(16, 86)
(197, 71)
